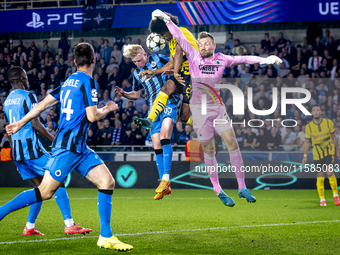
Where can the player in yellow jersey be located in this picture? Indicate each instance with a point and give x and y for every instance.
(321, 133)
(178, 64)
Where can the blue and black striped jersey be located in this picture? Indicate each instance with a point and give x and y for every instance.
(25, 143)
(75, 94)
(152, 86)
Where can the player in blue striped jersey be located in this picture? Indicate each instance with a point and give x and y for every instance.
(25, 143)
(29, 155)
(163, 124)
(152, 85)
(78, 99)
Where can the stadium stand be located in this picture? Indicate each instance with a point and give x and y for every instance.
(311, 63)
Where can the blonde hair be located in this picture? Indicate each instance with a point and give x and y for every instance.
(132, 50)
(205, 35)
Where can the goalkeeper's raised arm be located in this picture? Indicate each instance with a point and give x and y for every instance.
(176, 32)
(190, 51)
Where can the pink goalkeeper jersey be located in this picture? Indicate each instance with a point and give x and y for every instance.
(205, 73)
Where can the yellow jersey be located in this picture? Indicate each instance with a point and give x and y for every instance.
(172, 47)
(321, 138)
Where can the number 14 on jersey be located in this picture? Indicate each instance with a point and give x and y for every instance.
(68, 103)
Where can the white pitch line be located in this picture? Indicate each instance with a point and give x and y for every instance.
(175, 231)
(186, 198)
(181, 198)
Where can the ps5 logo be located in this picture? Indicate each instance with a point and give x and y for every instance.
(56, 17)
(36, 23)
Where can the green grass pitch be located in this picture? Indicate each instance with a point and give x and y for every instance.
(186, 222)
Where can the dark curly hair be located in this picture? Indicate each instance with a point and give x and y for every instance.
(158, 26)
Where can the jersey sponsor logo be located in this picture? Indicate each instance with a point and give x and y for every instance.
(321, 135)
(208, 69)
(218, 62)
(94, 95)
(12, 101)
(71, 83)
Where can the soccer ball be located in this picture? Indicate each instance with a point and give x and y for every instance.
(155, 42)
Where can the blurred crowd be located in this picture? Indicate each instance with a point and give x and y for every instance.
(312, 64)
(48, 68)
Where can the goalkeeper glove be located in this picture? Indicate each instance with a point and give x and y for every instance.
(271, 60)
(158, 14)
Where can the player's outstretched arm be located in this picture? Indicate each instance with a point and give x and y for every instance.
(178, 59)
(93, 114)
(180, 38)
(36, 124)
(250, 60)
(168, 66)
(133, 95)
(175, 31)
(237, 60)
(48, 102)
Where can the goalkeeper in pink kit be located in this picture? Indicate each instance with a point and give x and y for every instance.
(206, 69)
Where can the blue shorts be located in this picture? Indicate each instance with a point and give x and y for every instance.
(30, 169)
(62, 162)
(170, 111)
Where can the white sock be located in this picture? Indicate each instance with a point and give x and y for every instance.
(69, 222)
(30, 225)
(321, 200)
(166, 177)
(335, 195)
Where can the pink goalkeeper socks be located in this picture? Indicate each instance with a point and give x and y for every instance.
(237, 162)
(211, 166)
